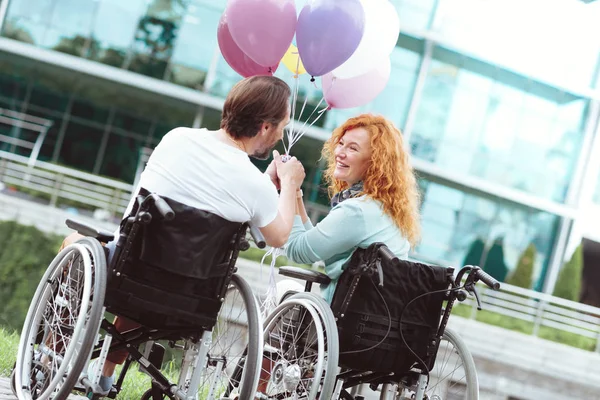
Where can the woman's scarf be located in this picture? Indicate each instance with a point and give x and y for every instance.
(353, 191)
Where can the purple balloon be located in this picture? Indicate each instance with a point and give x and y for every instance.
(328, 33)
(235, 57)
(263, 29)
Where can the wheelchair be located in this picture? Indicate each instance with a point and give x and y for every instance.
(172, 272)
(385, 329)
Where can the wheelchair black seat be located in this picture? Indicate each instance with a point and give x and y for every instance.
(173, 273)
(369, 314)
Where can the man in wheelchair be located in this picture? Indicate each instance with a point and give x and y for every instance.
(178, 242)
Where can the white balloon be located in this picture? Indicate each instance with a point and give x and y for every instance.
(382, 27)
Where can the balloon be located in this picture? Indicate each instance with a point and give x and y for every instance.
(240, 62)
(263, 29)
(382, 28)
(292, 61)
(328, 32)
(358, 90)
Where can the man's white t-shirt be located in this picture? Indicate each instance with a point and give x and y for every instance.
(193, 167)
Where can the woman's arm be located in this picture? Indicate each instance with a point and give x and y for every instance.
(340, 231)
(300, 209)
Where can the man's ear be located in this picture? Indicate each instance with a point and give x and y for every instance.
(264, 128)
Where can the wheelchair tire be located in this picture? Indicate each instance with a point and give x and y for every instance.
(332, 339)
(295, 363)
(242, 366)
(62, 323)
(468, 385)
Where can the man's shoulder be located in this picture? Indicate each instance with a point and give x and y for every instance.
(183, 131)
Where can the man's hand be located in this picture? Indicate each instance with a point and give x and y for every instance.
(272, 170)
(290, 172)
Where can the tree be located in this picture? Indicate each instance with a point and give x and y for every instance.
(475, 254)
(12, 31)
(79, 46)
(522, 276)
(568, 285)
(494, 262)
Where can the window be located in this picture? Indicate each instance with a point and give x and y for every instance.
(461, 228)
(471, 120)
(534, 39)
(113, 29)
(192, 57)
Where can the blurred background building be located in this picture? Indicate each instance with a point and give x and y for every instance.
(498, 100)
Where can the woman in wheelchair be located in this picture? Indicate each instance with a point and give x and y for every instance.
(375, 198)
(380, 319)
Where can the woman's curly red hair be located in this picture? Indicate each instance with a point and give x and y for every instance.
(389, 178)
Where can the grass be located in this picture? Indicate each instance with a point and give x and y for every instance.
(526, 327)
(9, 343)
(134, 386)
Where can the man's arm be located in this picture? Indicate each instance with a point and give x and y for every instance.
(291, 174)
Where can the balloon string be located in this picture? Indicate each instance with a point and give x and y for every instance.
(320, 114)
(291, 129)
(302, 131)
(310, 116)
(302, 111)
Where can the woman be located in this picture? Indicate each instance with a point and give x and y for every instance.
(375, 198)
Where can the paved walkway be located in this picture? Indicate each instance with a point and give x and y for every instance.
(7, 394)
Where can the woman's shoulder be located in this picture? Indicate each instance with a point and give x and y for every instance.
(360, 206)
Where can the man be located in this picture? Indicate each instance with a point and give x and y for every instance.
(211, 171)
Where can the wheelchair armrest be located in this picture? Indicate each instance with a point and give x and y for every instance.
(304, 274)
(86, 230)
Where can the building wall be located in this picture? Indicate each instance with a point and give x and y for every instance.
(494, 97)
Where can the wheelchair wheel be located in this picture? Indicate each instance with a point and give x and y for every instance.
(332, 342)
(454, 375)
(237, 339)
(297, 354)
(62, 322)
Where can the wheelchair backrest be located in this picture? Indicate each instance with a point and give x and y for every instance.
(377, 317)
(195, 244)
(167, 274)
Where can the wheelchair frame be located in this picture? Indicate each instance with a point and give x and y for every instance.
(417, 377)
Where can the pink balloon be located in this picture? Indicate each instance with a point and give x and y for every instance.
(358, 90)
(235, 57)
(263, 29)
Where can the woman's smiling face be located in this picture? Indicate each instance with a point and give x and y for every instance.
(352, 156)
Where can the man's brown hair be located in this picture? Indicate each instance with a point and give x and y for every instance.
(252, 102)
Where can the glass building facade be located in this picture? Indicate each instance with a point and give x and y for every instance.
(498, 101)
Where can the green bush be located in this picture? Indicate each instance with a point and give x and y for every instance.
(522, 276)
(25, 253)
(256, 254)
(568, 285)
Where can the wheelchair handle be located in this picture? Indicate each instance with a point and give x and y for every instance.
(386, 253)
(258, 237)
(163, 208)
(487, 279)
